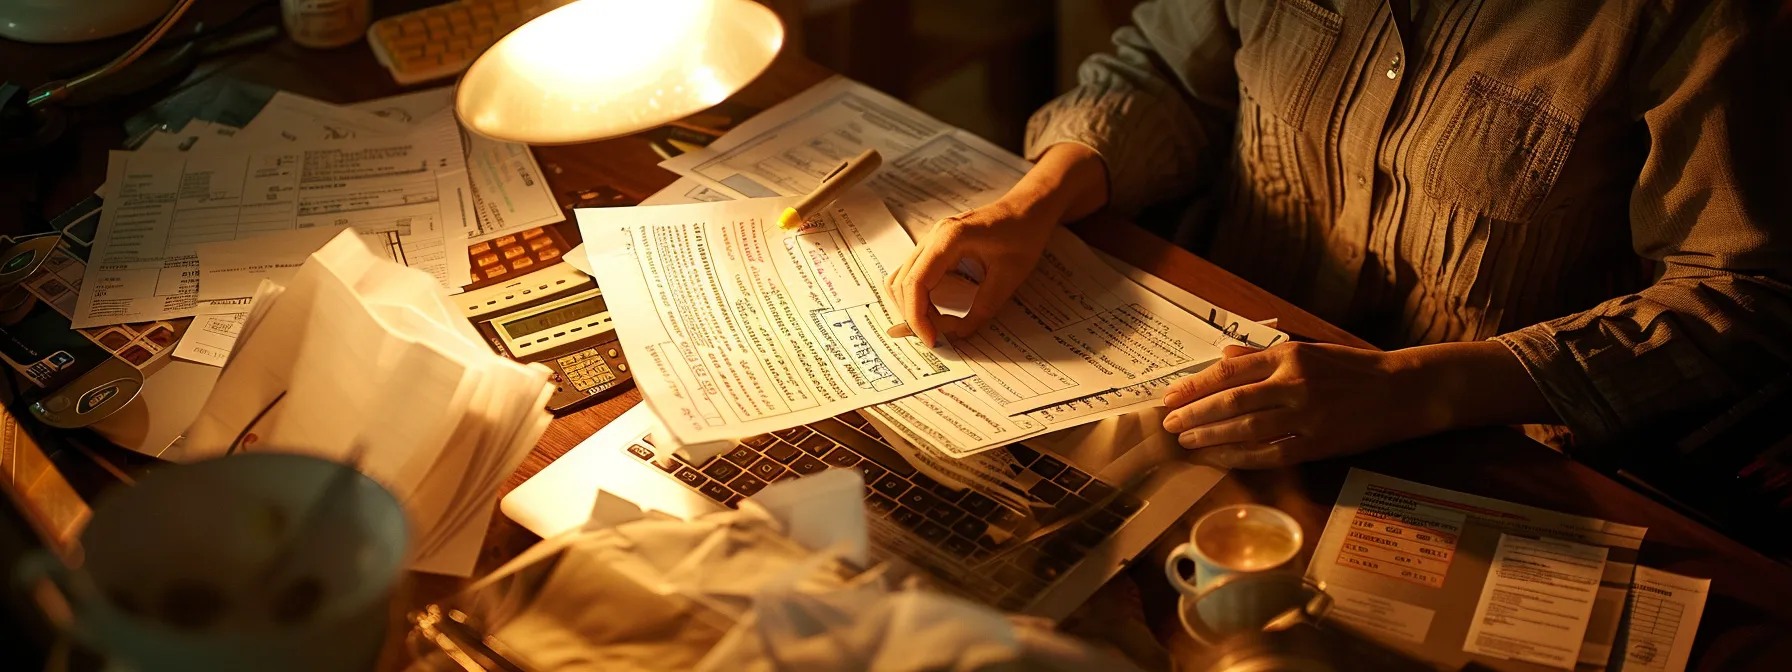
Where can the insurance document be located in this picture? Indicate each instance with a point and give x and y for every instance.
(1536, 601)
(406, 189)
(931, 170)
(736, 327)
(1414, 561)
(1660, 621)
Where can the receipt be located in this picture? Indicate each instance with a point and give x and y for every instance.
(160, 205)
(1661, 618)
(1537, 601)
(736, 327)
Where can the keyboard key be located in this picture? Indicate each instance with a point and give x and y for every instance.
(816, 445)
(1072, 505)
(1085, 535)
(721, 470)
(870, 470)
(640, 451)
(958, 546)
(949, 493)
(865, 445)
(907, 517)
(806, 465)
(747, 484)
(945, 513)
(919, 500)
(924, 481)
(766, 469)
(1004, 518)
(690, 477)
(1023, 454)
(978, 505)
(1072, 479)
(715, 491)
(890, 486)
(783, 452)
(759, 441)
(1064, 550)
(1104, 520)
(742, 456)
(880, 504)
(667, 464)
(792, 435)
(1047, 491)
(853, 418)
(733, 502)
(1047, 466)
(841, 457)
(933, 532)
(970, 528)
(1097, 491)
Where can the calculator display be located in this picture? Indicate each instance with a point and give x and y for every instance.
(544, 321)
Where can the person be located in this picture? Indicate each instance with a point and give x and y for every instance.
(1558, 213)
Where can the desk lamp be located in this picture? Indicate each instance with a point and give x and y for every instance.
(598, 69)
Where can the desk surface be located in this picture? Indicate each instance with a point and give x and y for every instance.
(1746, 621)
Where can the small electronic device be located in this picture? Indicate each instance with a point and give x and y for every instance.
(441, 41)
(553, 316)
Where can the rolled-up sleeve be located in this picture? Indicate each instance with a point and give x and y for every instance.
(1155, 108)
(1717, 323)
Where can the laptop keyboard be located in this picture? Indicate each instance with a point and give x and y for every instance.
(952, 533)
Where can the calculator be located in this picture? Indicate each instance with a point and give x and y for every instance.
(554, 315)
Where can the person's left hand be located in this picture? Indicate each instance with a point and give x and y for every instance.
(1294, 402)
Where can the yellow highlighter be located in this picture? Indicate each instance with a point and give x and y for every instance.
(843, 177)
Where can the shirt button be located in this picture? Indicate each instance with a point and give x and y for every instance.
(1394, 67)
(1360, 181)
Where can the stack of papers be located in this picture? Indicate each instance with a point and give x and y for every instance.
(399, 171)
(737, 327)
(360, 360)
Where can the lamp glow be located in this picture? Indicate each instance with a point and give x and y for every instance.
(597, 69)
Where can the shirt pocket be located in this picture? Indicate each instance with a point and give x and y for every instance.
(1500, 151)
(1281, 57)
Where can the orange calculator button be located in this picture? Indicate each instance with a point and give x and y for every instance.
(479, 248)
(522, 263)
(539, 243)
(486, 259)
(507, 240)
(547, 254)
(513, 252)
(495, 271)
(534, 233)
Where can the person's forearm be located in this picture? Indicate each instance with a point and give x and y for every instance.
(1476, 384)
(1068, 183)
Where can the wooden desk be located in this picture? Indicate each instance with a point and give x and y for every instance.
(1746, 622)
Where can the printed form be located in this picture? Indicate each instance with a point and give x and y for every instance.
(1408, 563)
(160, 205)
(1536, 601)
(1661, 620)
(931, 170)
(736, 327)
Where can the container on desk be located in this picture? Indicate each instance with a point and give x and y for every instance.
(1229, 546)
(179, 571)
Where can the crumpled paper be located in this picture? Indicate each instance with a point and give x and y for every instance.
(781, 584)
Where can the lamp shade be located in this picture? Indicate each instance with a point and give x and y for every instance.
(598, 69)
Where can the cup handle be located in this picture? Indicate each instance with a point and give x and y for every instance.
(1174, 573)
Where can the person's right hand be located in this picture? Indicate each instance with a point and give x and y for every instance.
(1004, 238)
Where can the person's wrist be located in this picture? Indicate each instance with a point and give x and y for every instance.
(1421, 390)
(1068, 182)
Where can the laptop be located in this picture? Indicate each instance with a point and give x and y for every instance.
(916, 524)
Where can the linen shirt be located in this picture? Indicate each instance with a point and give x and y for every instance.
(1592, 184)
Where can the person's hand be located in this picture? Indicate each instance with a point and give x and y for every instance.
(1004, 238)
(1001, 238)
(1291, 403)
(1295, 402)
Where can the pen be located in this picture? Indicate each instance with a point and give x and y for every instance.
(844, 176)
